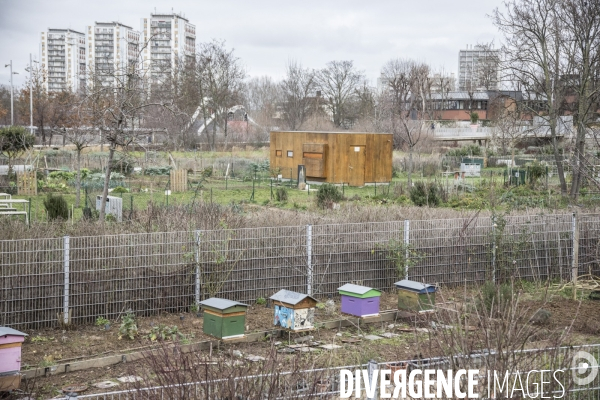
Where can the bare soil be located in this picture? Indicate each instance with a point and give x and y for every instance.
(45, 347)
(88, 341)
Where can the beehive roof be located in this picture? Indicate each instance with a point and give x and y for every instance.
(221, 304)
(358, 289)
(10, 331)
(415, 286)
(289, 297)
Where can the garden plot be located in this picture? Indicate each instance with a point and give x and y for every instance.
(48, 347)
(385, 341)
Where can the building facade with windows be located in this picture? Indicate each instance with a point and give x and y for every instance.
(111, 46)
(62, 55)
(478, 68)
(168, 39)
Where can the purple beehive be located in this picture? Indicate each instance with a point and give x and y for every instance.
(360, 301)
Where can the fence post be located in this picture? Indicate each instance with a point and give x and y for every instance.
(494, 249)
(406, 244)
(575, 264)
(309, 268)
(371, 367)
(66, 276)
(197, 272)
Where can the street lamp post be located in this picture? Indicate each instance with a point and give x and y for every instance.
(12, 112)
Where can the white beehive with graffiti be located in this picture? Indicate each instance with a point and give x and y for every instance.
(293, 311)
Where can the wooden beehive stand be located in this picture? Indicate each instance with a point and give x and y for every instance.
(179, 180)
(27, 183)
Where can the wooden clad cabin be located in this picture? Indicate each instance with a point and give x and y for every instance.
(334, 157)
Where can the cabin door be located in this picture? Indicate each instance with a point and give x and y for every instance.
(356, 165)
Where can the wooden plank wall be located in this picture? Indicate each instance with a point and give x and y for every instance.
(378, 157)
(27, 183)
(179, 180)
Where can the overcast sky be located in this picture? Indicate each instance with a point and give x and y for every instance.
(266, 34)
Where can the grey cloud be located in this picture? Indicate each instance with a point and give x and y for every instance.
(267, 33)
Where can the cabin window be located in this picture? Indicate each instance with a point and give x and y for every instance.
(290, 153)
(357, 149)
(278, 153)
(307, 154)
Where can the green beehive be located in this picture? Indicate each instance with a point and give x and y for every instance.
(415, 296)
(224, 319)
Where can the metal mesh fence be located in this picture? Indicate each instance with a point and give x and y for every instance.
(142, 272)
(31, 282)
(47, 281)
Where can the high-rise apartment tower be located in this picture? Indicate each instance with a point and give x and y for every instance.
(111, 46)
(478, 68)
(168, 39)
(62, 55)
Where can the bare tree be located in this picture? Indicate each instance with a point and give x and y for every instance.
(338, 83)
(51, 111)
(581, 19)
(408, 93)
(220, 77)
(79, 134)
(116, 102)
(486, 71)
(508, 119)
(262, 97)
(176, 83)
(442, 84)
(297, 88)
(363, 106)
(533, 60)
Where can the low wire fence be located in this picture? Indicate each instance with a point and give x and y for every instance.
(571, 372)
(45, 282)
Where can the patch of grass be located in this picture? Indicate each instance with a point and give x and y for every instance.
(567, 293)
(400, 340)
(41, 339)
(101, 321)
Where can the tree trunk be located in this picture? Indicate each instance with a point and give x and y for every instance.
(111, 153)
(512, 155)
(579, 160)
(582, 113)
(78, 180)
(410, 165)
(214, 135)
(559, 165)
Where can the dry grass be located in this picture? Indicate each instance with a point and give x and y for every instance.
(207, 216)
